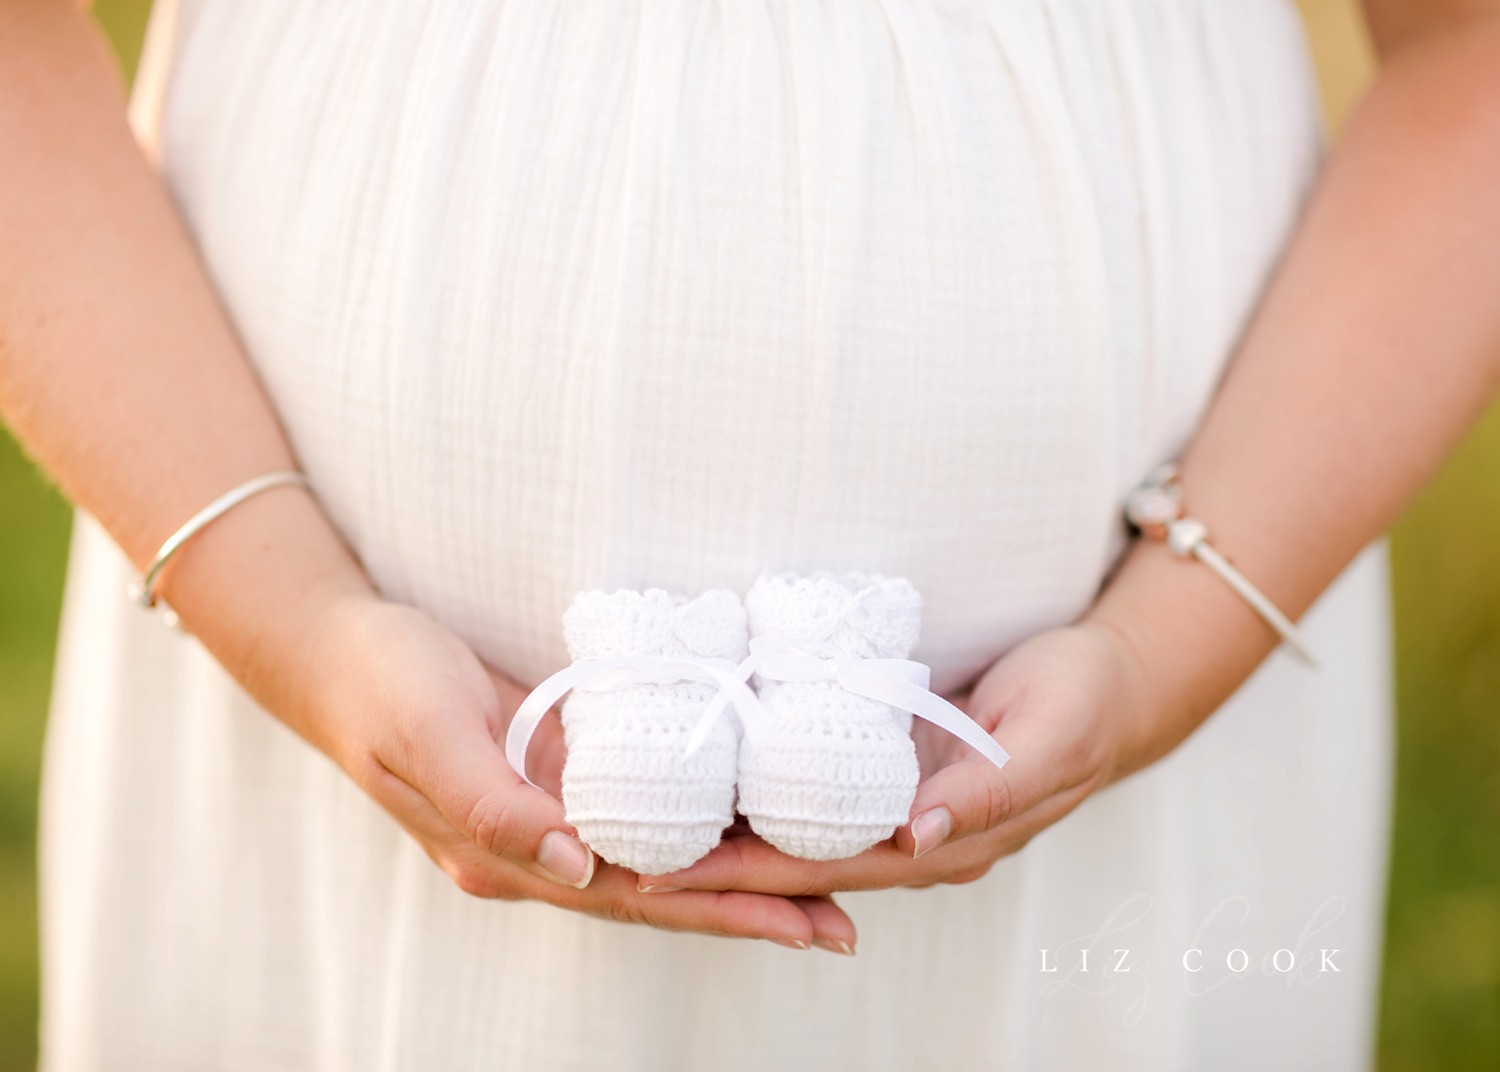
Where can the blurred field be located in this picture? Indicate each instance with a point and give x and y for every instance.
(1441, 1007)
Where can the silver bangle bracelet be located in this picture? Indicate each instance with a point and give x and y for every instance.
(1156, 509)
(143, 592)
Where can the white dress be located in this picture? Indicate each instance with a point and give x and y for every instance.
(665, 292)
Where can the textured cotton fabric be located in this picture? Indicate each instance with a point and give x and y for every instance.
(556, 296)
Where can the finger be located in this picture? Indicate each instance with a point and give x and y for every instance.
(545, 752)
(459, 768)
(560, 857)
(967, 859)
(832, 929)
(973, 796)
(749, 863)
(936, 748)
(509, 692)
(545, 758)
(734, 914)
(612, 894)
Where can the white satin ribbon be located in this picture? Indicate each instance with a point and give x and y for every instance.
(901, 683)
(602, 675)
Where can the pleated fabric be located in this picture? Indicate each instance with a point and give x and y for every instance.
(605, 293)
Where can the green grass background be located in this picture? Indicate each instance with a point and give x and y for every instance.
(1441, 1007)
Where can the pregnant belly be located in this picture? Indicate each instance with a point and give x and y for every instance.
(542, 314)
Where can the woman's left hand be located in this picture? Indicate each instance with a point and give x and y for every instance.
(1063, 704)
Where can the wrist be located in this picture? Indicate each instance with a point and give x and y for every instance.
(264, 588)
(1130, 715)
(1186, 641)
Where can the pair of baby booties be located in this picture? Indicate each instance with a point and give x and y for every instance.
(828, 772)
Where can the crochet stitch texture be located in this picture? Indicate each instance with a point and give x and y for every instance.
(626, 786)
(837, 772)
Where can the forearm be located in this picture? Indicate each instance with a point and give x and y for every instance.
(1376, 346)
(121, 373)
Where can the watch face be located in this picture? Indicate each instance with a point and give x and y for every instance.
(1153, 505)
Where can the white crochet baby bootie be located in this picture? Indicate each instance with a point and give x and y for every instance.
(833, 772)
(627, 787)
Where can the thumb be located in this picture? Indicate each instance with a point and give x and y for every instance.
(461, 770)
(973, 796)
(545, 751)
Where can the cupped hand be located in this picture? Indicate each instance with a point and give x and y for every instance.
(410, 712)
(1061, 703)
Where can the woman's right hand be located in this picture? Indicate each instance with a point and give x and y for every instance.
(414, 717)
(407, 709)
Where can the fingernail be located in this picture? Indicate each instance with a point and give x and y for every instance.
(790, 943)
(641, 887)
(565, 859)
(834, 945)
(930, 829)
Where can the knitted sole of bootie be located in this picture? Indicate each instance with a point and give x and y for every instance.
(826, 791)
(628, 790)
(833, 772)
(627, 787)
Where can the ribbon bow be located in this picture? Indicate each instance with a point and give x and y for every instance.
(901, 683)
(604, 674)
